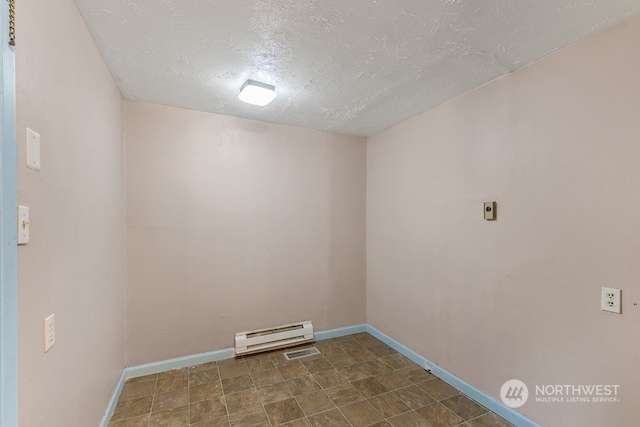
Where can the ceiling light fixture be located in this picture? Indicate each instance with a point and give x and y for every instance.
(257, 93)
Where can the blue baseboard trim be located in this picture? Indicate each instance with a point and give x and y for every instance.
(114, 401)
(339, 332)
(446, 376)
(178, 363)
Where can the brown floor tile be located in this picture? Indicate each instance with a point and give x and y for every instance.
(252, 417)
(389, 405)
(317, 365)
(203, 376)
(172, 383)
(344, 394)
(236, 384)
(341, 360)
(137, 389)
(303, 385)
(243, 400)
(283, 411)
(169, 400)
(232, 361)
(375, 367)
(208, 409)
(370, 383)
(355, 372)
(409, 419)
(358, 335)
(438, 389)
(439, 415)
(382, 350)
(235, 370)
(361, 414)
(464, 407)
(141, 421)
(490, 420)
(361, 355)
(294, 369)
(348, 345)
(218, 422)
(279, 360)
(328, 348)
(176, 417)
(259, 363)
(173, 372)
(300, 422)
(417, 375)
(205, 391)
(274, 393)
(398, 361)
(205, 366)
(369, 387)
(328, 379)
(333, 418)
(368, 340)
(394, 380)
(414, 397)
(267, 377)
(143, 378)
(132, 408)
(315, 402)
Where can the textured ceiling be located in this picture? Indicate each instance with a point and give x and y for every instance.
(351, 66)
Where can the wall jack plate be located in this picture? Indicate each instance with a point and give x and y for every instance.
(490, 211)
(610, 300)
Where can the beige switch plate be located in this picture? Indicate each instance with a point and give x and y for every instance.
(49, 332)
(23, 225)
(490, 211)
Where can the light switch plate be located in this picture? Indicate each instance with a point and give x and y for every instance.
(33, 149)
(49, 332)
(490, 211)
(23, 225)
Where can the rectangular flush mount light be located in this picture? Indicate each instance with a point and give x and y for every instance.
(257, 93)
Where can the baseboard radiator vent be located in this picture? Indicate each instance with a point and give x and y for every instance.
(297, 354)
(273, 338)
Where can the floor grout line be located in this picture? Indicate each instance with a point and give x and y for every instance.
(153, 398)
(189, 396)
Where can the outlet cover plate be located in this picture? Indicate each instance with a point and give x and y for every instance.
(610, 300)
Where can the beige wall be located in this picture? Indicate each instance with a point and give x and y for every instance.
(556, 144)
(234, 225)
(74, 265)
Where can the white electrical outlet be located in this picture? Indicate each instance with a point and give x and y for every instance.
(49, 332)
(610, 300)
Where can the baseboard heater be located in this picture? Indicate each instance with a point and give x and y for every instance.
(273, 338)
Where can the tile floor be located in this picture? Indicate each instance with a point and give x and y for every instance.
(357, 381)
